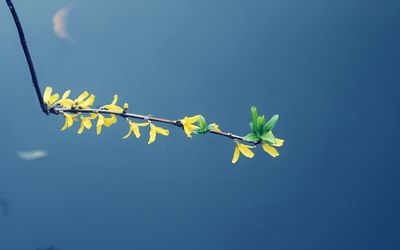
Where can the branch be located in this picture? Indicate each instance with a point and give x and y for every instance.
(27, 55)
(261, 130)
(178, 123)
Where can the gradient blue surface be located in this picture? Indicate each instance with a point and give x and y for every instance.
(329, 68)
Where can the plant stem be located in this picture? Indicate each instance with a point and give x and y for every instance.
(27, 55)
(58, 110)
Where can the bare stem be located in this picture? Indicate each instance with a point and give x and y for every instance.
(27, 55)
(59, 110)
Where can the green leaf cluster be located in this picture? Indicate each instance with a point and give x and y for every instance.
(260, 129)
(203, 128)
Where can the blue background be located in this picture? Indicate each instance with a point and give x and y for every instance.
(329, 68)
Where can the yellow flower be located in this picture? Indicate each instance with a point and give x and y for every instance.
(104, 121)
(270, 148)
(49, 99)
(126, 106)
(84, 100)
(113, 106)
(188, 125)
(215, 127)
(154, 130)
(86, 122)
(69, 120)
(64, 101)
(244, 149)
(134, 127)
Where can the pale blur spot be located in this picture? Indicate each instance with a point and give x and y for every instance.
(32, 155)
(60, 22)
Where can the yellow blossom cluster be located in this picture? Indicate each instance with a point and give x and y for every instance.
(80, 109)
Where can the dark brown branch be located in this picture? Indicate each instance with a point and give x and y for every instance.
(59, 110)
(27, 55)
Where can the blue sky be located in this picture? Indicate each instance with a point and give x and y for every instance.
(329, 68)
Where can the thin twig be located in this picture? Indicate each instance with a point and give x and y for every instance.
(27, 55)
(59, 110)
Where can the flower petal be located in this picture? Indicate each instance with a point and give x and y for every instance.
(53, 98)
(128, 134)
(67, 103)
(47, 94)
(270, 150)
(189, 129)
(81, 128)
(236, 154)
(245, 150)
(98, 129)
(88, 102)
(278, 143)
(115, 100)
(152, 134)
(215, 127)
(193, 119)
(87, 123)
(66, 94)
(164, 132)
(69, 120)
(114, 108)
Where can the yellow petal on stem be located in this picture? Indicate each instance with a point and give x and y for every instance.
(53, 98)
(135, 129)
(67, 103)
(81, 128)
(98, 129)
(215, 127)
(143, 124)
(278, 143)
(115, 100)
(189, 128)
(162, 131)
(66, 94)
(270, 150)
(47, 94)
(245, 150)
(81, 97)
(100, 123)
(110, 121)
(65, 125)
(152, 134)
(69, 120)
(137, 132)
(193, 119)
(236, 154)
(87, 123)
(88, 102)
(114, 108)
(128, 134)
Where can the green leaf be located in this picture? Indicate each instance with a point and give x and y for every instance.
(261, 120)
(199, 131)
(251, 138)
(260, 125)
(269, 137)
(254, 115)
(271, 123)
(252, 127)
(202, 122)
